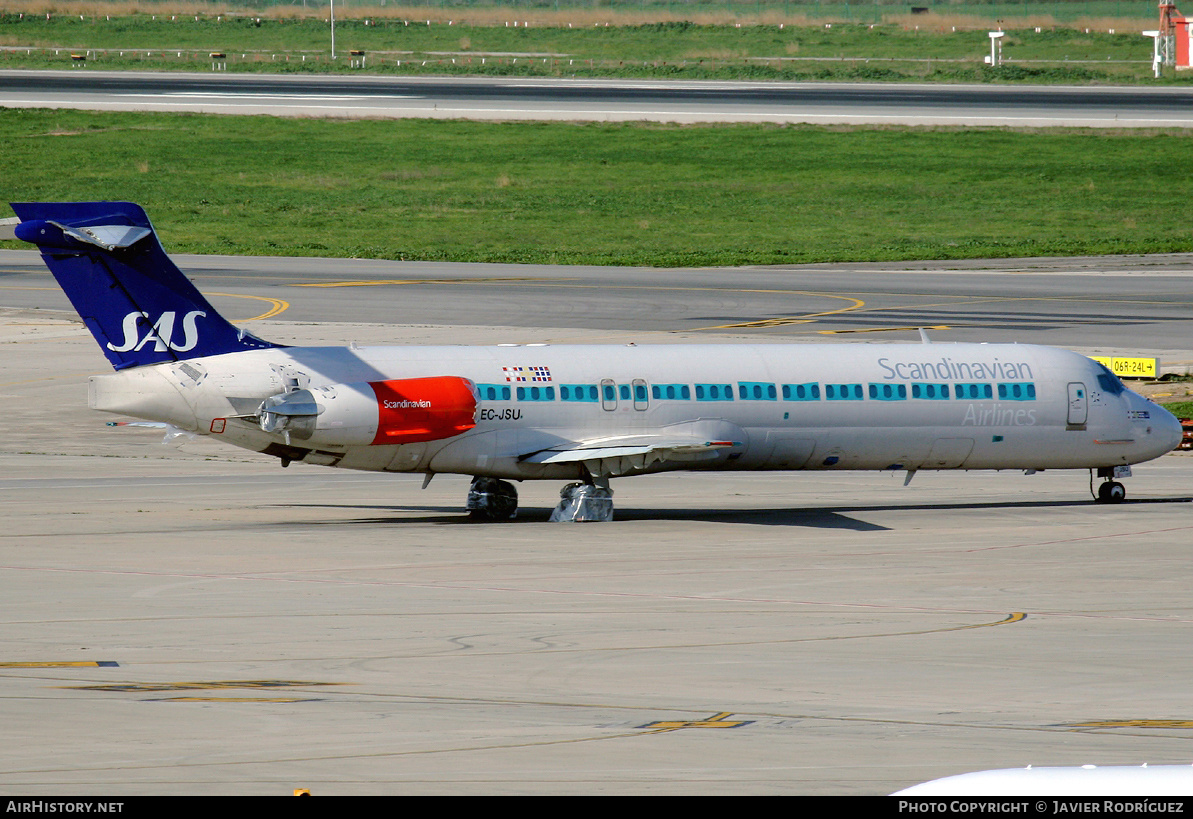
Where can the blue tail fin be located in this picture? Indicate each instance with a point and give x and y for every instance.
(135, 301)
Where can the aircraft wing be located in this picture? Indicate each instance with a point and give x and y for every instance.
(616, 456)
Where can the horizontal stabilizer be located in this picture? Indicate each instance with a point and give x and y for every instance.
(109, 237)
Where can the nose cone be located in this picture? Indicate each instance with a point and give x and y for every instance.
(1166, 430)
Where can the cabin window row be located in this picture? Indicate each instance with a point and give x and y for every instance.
(763, 391)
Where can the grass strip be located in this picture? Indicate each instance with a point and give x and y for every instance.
(625, 194)
(924, 51)
(1181, 409)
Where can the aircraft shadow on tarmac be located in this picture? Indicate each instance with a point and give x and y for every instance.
(840, 517)
(812, 518)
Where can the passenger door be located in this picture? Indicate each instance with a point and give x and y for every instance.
(1078, 411)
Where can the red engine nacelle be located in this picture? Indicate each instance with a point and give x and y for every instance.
(423, 409)
(399, 411)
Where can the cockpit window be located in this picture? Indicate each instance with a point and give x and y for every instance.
(1108, 381)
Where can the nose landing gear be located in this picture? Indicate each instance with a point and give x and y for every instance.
(1110, 491)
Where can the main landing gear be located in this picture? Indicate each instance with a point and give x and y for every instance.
(491, 499)
(579, 502)
(1110, 491)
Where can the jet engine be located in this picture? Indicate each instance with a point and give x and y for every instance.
(400, 411)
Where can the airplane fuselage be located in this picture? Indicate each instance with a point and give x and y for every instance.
(767, 406)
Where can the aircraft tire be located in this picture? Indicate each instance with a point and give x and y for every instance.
(1112, 492)
(490, 500)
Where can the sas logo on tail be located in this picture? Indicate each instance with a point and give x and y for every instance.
(161, 333)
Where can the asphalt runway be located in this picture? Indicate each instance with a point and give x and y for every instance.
(188, 619)
(513, 98)
(1110, 304)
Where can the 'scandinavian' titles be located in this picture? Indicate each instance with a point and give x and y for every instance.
(945, 369)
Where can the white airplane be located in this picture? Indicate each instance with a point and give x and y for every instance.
(1086, 780)
(584, 414)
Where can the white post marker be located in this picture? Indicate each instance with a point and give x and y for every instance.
(995, 57)
(1157, 59)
